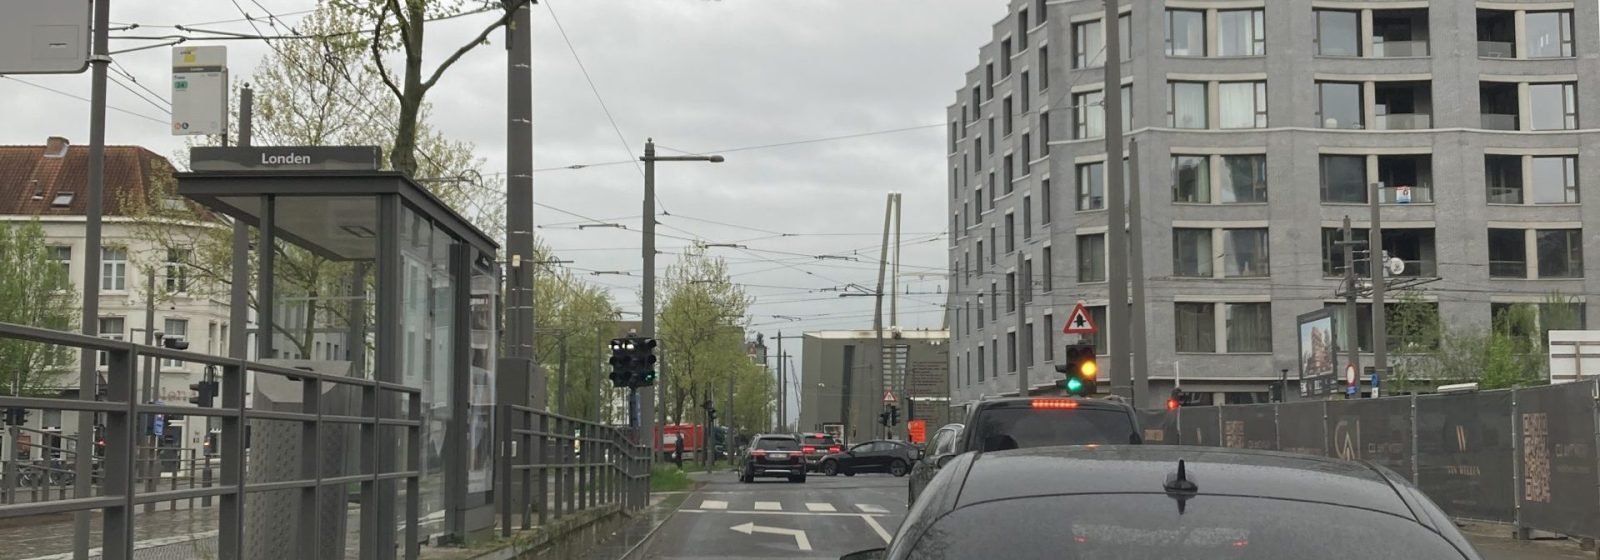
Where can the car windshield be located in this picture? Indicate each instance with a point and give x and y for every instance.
(1002, 428)
(1140, 526)
(819, 441)
(777, 444)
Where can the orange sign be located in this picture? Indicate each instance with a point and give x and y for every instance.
(918, 430)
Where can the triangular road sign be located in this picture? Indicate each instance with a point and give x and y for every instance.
(1079, 322)
(888, 397)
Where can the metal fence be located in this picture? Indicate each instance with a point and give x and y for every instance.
(562, 465)
(1525, 457)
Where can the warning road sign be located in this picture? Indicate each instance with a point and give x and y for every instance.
(888, 397)
(1079, 322)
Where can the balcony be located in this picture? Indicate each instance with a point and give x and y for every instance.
(1497, 49)
(1407, 179)
(1399, 49)
(1405, 194)
(1498, 103)
(1399, 33)
(1499, 122)
(1497, 34)
(1414, 247)
(1416, 269)
(1404, 122)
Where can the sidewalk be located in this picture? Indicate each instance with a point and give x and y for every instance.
(1494, 542)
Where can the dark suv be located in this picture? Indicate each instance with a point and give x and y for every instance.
(817, 445)
(1027, 422)
(774, 455)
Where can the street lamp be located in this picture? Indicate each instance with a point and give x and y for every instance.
(647, 323)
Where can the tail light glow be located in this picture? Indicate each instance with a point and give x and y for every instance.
(808, 449)
(834, 449)
(758, 453)
(1055, 403)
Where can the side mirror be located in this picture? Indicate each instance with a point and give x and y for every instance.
(869, 554)
(943, 459)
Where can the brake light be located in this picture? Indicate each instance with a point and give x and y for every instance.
(808, 449)
(1055, 403)
(758, 453)
(834, 449)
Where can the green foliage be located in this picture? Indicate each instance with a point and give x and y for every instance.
(1414, 332)
(703, 344)
(581, 317)
(34, 291)
(666, 477)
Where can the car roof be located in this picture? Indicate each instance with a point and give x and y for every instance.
(1122, 469)
(782, 436)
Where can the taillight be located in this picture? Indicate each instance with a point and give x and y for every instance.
(834, 449)
(758, 453)
(808, 449)
(1055, 403)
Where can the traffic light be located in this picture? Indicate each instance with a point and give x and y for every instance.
(1080, 369)
(644, 362)
(633, 362)
(205, 393)
(1176, 400)
(620, 371)
(894, 415)
(883, 418)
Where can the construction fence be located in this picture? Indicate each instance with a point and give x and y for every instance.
(1524, 457)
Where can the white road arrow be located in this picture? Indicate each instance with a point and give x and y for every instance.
(800, 538)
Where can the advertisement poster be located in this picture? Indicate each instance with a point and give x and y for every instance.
(1318, 352)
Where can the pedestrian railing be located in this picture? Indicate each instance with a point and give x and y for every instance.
(1525, 457)
(115, 490)
(561, 465)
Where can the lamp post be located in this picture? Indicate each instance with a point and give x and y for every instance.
(647, 324)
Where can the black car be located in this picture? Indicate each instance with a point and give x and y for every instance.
(1024, 422)
(885, 456)
(774, 455)
(817, 445)
(1170, 502)
(942, 444)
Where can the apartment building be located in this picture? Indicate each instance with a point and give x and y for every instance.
(1259, 127)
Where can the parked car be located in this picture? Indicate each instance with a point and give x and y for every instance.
(773, 455)
(885, 456)
(1136, 501)
(942, 444)
(816, 445)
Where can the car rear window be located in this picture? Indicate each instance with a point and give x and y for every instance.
(777, 444)
(1017, 427)
(824, 440)
(1152, 526)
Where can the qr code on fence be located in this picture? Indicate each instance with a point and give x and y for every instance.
(1536, 457)
(1233, 434)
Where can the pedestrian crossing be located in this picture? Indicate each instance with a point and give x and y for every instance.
(805, 507)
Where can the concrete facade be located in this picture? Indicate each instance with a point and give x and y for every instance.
(1442, 67)
(836, 384)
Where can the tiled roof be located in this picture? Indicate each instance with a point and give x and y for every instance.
(30, 183)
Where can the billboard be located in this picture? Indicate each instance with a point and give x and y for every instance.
(1319, 353)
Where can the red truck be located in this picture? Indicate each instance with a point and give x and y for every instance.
(693, 436)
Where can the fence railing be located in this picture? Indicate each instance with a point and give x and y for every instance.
(564, 465)
(1525, 457)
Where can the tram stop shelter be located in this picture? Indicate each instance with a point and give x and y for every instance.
(369, 275)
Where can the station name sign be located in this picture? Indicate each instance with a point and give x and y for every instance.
(284, 158)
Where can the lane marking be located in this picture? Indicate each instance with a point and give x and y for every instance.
(769, 506)
(820, 506)
(869, 508)
(800, 513)
(713, 504)
(800, 538)
(877, 528)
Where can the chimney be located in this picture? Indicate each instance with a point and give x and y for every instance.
(56, 147)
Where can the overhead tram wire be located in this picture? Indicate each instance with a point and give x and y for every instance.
(163, 122)
(141, 96)
(596, 90)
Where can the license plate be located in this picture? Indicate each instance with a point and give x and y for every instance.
(779, 456)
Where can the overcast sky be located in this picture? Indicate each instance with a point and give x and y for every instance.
(697, 75)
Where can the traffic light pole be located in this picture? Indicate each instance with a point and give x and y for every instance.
(647, 314)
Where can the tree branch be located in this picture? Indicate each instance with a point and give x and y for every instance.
(377, 50)
(504, 20)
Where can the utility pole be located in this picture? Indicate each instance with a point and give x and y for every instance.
(1019, 293)
(149, 334)
(1139, 340)
(1376, 259)
(1352, 330)
(894, 300)
(1117, 333)
(881, 379)
(783, 397)
(99, 60)
(519, 187)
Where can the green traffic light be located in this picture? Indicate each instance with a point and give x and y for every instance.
(1074, 385)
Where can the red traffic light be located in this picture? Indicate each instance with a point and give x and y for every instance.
(1172, 404)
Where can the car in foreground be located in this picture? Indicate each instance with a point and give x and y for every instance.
(1026, 422)
(776, 455)
(1169, 502)
(878, 456)
(817, 445)
(942, 444)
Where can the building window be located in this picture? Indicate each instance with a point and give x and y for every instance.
(1187, 105)
(981, 320)
(988, 81)
(1026, 92)
(977, 101)
(114, 328)
(992, 190)
(1092, 258)
(1191, 253)
(1088, 47)
(1244, 253)
(1560, 252)
(979, 262)
(1044, 201)
(1546, 317)
(1046, 341)
(1044, 67)
(1011, 352)
(1341, 105)
(1242, 104)
(1011, 173)
(1344, 179)
(1249, 327)
(1191, 179)
(1241, 33)
(114, 269)
(1025, 345)
(1091, 113)
(1091, 186)
(1244, 179)
(977, 197)
(1048, 276)
(1011, 292)
(1196, 327)
(1005, 58)
(1555, 180)
(1553, 106)
(1044, 133)
(1027, 217)
(1338, 33)
(1333, 253)
(1549, 35)
(981, 363)
(1011, 232)
(1039, 8)
(62, 256)
(1027, 154)
(1008, 119)
(994, 299)
(1508, 253)
(1022, 29)
(992, 245)
(174, 328)
(992, 136)
(954, 130)
(177, 271)
(1503, 176)
(1025, 281)
(1186, 33)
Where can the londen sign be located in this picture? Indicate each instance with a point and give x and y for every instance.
(284, 158)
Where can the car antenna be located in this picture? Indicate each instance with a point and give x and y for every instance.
(1179, 487)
